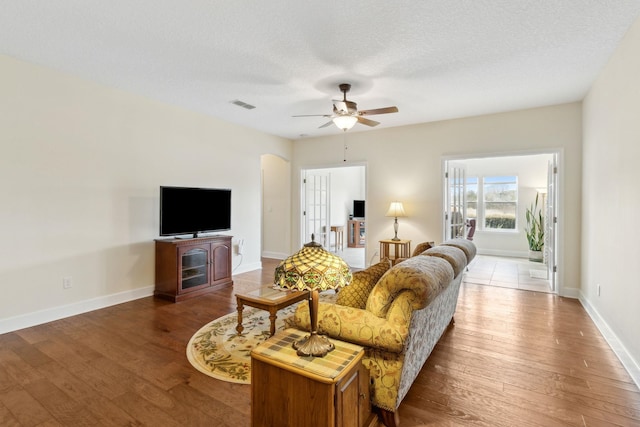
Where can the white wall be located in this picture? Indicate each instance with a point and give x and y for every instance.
(80, 167)
(404, 163)
(611, 199)
(347, 185)
(276, 207)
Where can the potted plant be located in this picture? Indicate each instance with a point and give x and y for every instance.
(535, 231)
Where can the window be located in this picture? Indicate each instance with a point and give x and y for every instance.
(500, 202)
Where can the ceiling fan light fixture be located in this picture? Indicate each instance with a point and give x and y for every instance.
(345, 122)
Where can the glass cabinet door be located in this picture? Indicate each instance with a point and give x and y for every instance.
(194, 267)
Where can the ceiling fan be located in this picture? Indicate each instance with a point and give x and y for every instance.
(346, 115)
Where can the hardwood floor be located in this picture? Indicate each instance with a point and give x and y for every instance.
(513, 358)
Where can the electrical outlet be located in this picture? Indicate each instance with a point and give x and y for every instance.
(67, 282)
(240, 246)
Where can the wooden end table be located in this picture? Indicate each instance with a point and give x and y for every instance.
(289, 390)
(269, 299)
(401, 249)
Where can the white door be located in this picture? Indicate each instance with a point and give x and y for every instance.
(316, 207)
(551, 218)
(456, 206)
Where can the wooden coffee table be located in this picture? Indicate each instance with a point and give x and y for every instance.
(269, 299)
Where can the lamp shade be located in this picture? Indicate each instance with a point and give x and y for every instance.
(396, 210)
(345, 122)
(312, 268)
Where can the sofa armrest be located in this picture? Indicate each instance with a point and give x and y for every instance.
(423, 276)
(360, 326)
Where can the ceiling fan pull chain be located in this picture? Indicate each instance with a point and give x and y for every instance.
(344, 142)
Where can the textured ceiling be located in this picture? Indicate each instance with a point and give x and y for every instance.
(434, 60)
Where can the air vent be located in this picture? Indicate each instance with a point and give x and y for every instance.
(243, 104)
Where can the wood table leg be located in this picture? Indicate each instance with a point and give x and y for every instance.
(273, 312)
(239, 328)
(388, 418)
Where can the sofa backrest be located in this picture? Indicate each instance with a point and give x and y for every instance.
(467, 246)
(421, 247)
(453, 255)
(424, 276)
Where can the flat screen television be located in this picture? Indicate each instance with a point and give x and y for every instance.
(358, 208)
(186, 210)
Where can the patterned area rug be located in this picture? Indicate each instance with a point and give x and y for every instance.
(218, 351)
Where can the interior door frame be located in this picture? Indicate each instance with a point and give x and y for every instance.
(328, 167)
(551, 225)
(558, 153)
(317, 210)
(455, 197)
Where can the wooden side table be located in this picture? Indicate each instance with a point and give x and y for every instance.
(269, 299)
(290, 390)
(338, 230)
(401, 249)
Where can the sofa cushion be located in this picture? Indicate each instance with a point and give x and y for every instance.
(423, 276)
(357, 293)
(467, 246)
(455, 256)
(359, 326)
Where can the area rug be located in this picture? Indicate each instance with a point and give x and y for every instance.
(218, 351)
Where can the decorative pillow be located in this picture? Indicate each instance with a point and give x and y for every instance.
(357, 293)
(421, 247)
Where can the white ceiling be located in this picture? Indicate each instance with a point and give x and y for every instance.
(433, 59)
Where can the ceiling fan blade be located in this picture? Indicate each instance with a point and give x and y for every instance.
(367, 122)
(340, 107)
(346, 106)
(313, 115)
(385, 110)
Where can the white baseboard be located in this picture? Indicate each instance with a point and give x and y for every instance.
(570, 293)
(274, 255)
(56, 313)
(630, 364)
(243, 268)
(499, 252)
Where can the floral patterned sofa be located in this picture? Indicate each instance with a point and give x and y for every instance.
(398, 314)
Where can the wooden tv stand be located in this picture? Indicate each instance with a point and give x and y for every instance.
(187, 268)
(356, 233)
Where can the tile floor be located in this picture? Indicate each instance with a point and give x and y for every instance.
(516, 273)
(488, 270)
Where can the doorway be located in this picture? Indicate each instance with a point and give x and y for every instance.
(495, 192)
(328, 198)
